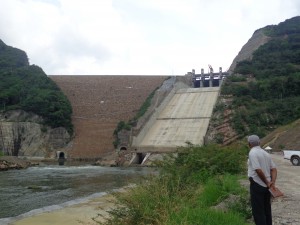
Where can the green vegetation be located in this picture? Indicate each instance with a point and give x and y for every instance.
(271, 97)
(143, 109)
(122, 125)
(186, 190)
(27, 87)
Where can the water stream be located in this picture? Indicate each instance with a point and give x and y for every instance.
(40, 188)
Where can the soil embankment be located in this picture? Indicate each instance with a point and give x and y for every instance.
(99, 103)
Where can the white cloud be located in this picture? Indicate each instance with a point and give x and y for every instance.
(133, 36)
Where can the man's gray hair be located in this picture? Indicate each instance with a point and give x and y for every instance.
(254, 140)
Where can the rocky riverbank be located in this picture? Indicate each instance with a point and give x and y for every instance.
(13, 162)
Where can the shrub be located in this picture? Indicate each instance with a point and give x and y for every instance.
(186, 188)
(206, 160)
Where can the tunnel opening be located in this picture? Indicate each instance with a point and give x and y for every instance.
(140, 158)
(61, 155)
(123, 148)
(61, 158)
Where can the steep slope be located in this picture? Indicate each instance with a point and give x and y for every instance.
(184, 118)
(263, 91)
(99, 103)
(258, 38)
(285, 137)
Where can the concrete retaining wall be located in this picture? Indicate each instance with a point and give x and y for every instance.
(136, 140)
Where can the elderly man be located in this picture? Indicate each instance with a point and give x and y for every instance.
(262, 174)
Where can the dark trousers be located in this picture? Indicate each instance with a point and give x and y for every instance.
(261, 204)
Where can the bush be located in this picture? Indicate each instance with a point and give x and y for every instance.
(236, 78)
(205, 160)
(186, 188)
(145, 106)
(219, 138)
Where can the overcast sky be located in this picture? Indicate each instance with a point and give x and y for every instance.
(135, 37)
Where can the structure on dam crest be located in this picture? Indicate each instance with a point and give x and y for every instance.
(209, 79)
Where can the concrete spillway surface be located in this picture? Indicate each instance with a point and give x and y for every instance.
(185, 118)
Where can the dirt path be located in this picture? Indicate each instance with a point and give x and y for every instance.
(286, 210)
(78, 214)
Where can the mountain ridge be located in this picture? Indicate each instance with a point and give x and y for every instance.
(263, 92)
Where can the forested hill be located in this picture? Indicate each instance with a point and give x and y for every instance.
(265, 89)
(27, 87)
(280, 56)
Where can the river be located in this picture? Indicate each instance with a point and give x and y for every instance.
(46, 188)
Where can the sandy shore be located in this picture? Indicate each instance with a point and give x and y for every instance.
(81, 214)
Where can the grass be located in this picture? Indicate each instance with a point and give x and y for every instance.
(204, 216)
(187, 190)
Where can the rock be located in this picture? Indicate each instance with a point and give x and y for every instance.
(35, 188)
(258, 38)
(111, 163)
(224, 205)
(3, 166)
(24, 134)
(12, 162)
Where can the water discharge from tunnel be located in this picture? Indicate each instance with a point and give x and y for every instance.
(61, 158)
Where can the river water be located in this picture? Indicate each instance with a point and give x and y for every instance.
(39, 189)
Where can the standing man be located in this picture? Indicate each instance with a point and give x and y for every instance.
(262, 174)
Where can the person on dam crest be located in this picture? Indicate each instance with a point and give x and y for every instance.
(262, 175)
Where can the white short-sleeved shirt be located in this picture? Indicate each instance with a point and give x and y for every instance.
(260, 159)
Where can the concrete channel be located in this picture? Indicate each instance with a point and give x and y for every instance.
(185, 118)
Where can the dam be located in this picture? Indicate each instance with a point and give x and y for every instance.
(184, 119)
(179, 113)
(99, 103)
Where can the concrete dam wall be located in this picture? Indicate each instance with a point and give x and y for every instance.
(184, 118)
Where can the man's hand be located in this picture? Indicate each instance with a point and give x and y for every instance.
(262, 176)
(271, 184)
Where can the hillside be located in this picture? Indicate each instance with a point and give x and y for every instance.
(26, 87)
(35, 115)
(284, 137)
(263, 91)
(258, 38)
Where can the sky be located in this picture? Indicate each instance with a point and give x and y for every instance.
(136, 37)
